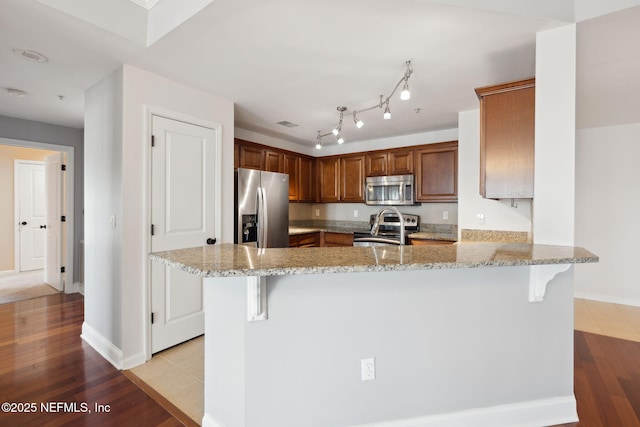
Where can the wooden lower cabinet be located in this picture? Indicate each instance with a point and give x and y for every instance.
(330, 239)
(306, 240)
(429, 242)
(320, 239)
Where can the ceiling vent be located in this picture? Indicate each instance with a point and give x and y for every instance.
(31, 55)
(287, 124)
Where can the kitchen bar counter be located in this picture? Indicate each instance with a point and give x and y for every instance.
(227, 260)
(465, 334)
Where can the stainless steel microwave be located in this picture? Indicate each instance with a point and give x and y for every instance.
(389, 190)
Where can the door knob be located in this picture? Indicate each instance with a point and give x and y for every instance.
(23, 223)
(43, 226)
(211, 241)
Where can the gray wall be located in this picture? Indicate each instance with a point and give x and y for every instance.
(444, 341)
(27, 130)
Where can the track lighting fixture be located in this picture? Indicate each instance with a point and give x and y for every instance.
(383, 102)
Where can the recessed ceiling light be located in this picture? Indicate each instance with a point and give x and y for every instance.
(16, 92)
(287, 123)
(31, 55)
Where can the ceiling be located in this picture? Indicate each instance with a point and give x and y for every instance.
(298, 61)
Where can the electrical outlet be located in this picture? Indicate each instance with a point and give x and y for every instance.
(355, 213)
(445, 214)
(368, 369)
(480, 218)
(317, 212)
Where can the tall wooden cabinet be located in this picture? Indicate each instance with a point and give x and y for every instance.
(437, 172)
(352, 178)
(328, 179)
(507, 139)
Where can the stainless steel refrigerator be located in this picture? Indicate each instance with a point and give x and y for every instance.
(261, 208)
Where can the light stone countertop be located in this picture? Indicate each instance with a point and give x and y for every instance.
(425, 235)
(229, 260)
(302, 230)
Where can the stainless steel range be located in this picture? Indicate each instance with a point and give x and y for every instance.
(388, 229)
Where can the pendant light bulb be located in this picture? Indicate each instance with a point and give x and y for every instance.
(405, 94)
(387, 112)
(359, 123)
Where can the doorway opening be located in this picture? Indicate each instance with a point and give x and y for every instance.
(24, 254)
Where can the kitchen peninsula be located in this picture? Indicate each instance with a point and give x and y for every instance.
(465, 334)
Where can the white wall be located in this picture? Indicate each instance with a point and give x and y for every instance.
(553, 206)
(587, 9)
(607, 204)
(116, 157)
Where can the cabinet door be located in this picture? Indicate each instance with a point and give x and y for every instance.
(377, 164)
(352, 179)
(306, 181)
(329, 179)
(401, 162)
(437, 173)
(251, 157)
(292, 168)
(507, 132)
(273, 161)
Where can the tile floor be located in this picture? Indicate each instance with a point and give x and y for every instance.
(178, 373)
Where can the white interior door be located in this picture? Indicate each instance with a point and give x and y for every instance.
(183, 203)
(30, 183)
(54, 178)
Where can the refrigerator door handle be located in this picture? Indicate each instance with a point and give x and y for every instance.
(265, 217)
(262, 219)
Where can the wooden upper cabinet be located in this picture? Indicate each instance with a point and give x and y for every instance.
(273, 161)
(301, 178)
(436, 168)
(377, 163)
(328, 176)
(306, 181)
(251, 157)
(400, 162)
(352, 171)
(292, 168)
(507, 139)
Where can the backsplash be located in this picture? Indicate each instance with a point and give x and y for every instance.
(430, 213)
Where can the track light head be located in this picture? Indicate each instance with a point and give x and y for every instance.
(387, 112)
(359, 123)
(340, 139)
(405, 94)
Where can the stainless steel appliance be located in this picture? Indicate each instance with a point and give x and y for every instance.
(388, 229)
(391, 190)
(261, 208)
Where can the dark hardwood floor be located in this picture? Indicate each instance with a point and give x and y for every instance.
(50, 377)
(606, 381)
(43, 361)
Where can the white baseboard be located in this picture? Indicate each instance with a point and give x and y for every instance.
(607, 298)
(102, 345)
(209, 421)
(536, 413)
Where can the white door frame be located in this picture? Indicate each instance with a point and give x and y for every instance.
(69, 284)
(17, 254)
(149, 112)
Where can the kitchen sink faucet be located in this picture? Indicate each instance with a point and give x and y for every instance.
(376, 222)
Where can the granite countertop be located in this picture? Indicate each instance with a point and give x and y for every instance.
(302, 230)
(425, 235)
(226, 260)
